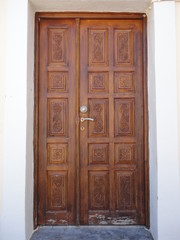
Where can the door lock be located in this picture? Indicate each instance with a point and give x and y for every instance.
(82, 128)
(83, 109)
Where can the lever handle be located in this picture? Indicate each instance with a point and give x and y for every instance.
(86, 119)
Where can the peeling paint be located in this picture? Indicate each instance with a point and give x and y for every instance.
(63, 221)
(52, 221)
(104, 220)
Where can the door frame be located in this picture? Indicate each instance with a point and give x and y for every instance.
(78, 16)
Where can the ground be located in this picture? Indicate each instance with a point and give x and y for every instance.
(92, 233)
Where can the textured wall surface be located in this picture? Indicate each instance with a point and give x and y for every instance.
(93, 5)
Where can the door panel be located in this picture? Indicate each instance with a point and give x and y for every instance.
(112, 167)
(56, 123)
(111, 147)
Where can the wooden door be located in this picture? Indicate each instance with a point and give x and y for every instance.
(56, 169)
(105, 182)
(111, 146)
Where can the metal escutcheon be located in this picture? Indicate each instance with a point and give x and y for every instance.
(82, 128)
(83, 109)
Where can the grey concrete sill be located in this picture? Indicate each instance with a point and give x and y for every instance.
(92, 233)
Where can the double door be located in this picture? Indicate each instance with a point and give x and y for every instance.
(91, 166)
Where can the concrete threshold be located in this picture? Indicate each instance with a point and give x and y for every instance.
(92, 233)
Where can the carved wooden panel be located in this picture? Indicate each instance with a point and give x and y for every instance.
(124, 153)
(58, 82)
(123, 82)
(57, 190)
(58, 117)
(98, 153)
(125, 190)
(99, 111)
(58, 46)
(98, 82)
(98, 47)
(57, 153)
(123, 47)
(98, 190)
(106, 178)
(124, 117)
(56, 101)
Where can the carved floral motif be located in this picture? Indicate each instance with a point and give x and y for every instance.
(98, 47)
(57, 191)
(57, 41)
(58, 117)
(124, 193)
(57, 153)
(57, 80)
(123, 48)
(125, 82)
(124, 118)
(56, 120)
(125, 154)
(98, 120)
(99, 191)
(99, 155)
(98, 82)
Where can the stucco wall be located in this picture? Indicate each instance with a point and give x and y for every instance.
(2, 86)
(29, 124)
(168, 187)
(13, 118)
(152, 123)
(178, 67)
(92, 5)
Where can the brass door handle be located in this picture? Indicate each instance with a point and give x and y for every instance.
(86, 119)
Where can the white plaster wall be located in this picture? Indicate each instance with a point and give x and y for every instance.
(2, 86)
(12, 215)
(152, 123)
(178, 67)
(91, 5)
(29, 124)
(166, 121)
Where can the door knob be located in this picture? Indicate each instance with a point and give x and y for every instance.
(86, 119)
(83, 109)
